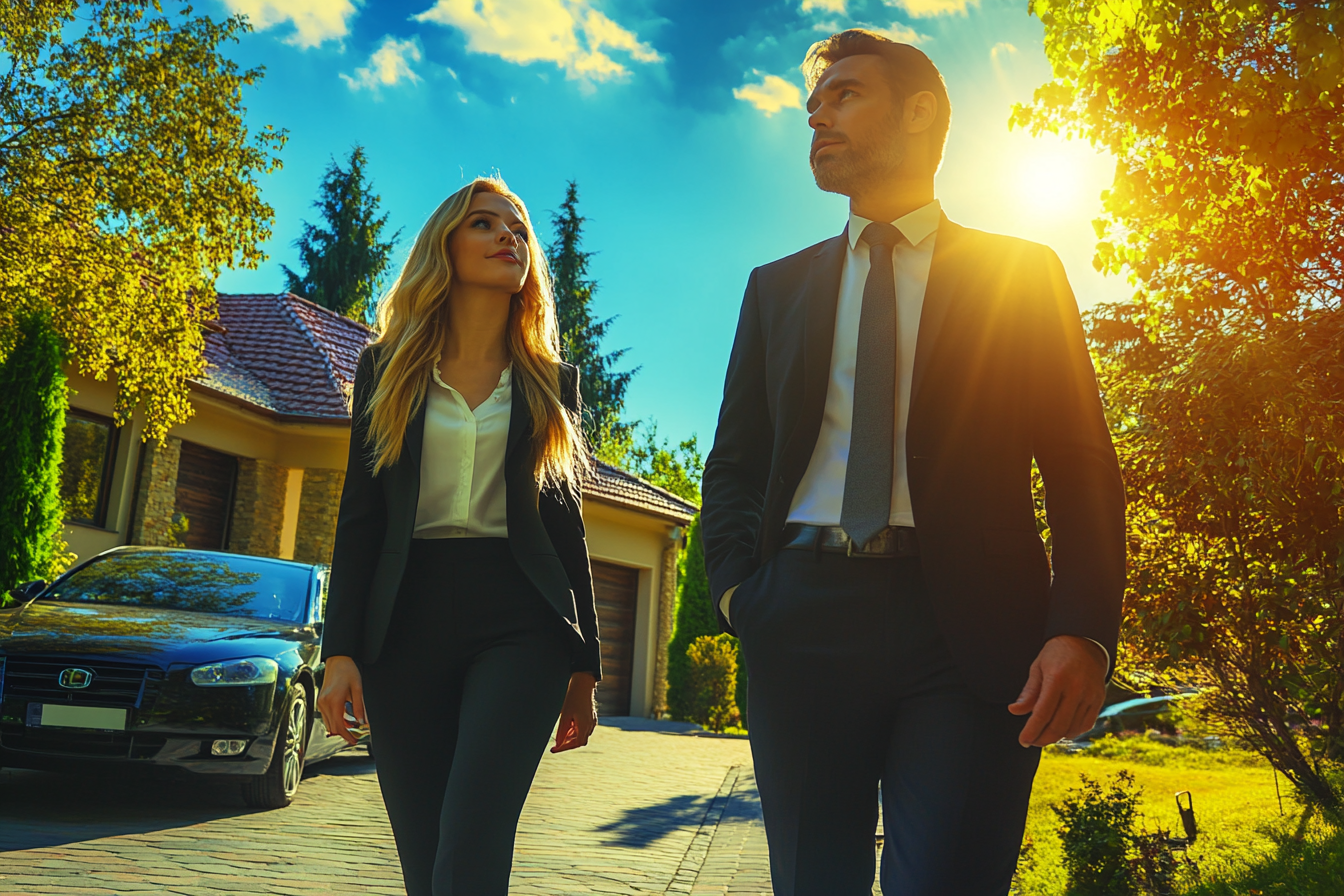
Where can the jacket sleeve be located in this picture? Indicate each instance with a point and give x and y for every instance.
(1085, 496)
(360, 526)
(562, 514)
(738, 467)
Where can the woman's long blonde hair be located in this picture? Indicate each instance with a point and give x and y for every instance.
(413, 322)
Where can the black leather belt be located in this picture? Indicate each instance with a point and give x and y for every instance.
(893, 541)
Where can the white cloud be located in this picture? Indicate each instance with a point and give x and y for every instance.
(389, 65)
(921, 8)
(1001, 49)
(902, 34)
(314, 21)
(835, 6)
(569, 33)
(771, 95)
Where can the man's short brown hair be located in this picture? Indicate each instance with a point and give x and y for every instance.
(908, 72)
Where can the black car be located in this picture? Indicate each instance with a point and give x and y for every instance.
(198, 661)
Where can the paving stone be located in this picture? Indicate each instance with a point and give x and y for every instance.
(633, 814)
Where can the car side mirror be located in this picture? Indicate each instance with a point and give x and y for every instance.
(28, 590)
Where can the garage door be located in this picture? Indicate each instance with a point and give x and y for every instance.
(205, 482)
(616, 589)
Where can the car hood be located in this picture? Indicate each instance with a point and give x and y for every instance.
(151, 634)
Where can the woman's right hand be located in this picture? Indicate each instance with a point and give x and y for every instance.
(341, 682)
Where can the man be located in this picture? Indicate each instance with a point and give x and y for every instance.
(868, 516)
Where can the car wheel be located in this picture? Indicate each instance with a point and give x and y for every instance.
(276, 788)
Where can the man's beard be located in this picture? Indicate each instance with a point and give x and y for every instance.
(862, 166)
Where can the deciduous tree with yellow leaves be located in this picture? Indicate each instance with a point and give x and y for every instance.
(128, 180)
(1224, 373)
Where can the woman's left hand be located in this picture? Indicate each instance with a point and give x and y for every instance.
(578, 717)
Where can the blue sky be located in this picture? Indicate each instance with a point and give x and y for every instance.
(681, 120)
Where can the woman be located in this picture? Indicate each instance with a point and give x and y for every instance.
(461, 602)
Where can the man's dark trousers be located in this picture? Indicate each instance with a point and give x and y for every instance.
(852, 688)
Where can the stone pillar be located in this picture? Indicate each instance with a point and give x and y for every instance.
(258, 508)
(667, 604)
(318, 505)
(156, 494)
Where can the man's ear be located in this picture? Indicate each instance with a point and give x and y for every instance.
(920, 110)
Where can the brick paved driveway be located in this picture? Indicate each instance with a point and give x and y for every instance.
(636, 812)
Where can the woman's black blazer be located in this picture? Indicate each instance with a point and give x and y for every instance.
(377, 518)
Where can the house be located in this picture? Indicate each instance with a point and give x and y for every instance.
(259, 469)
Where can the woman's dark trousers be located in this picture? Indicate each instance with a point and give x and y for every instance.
(462, 702)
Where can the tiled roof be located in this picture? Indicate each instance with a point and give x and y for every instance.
(284, 355)
(616, 486)
(288, 357)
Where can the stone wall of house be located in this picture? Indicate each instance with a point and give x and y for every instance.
(258, 508)
(318, 505)
(156, 494)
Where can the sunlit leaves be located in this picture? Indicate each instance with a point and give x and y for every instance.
(127, 182)
(1224, 374)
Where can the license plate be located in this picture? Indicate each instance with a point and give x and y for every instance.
(57, 715)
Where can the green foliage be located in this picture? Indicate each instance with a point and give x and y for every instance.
(32, 417)
(1098, 828)
(694, 618)
(1302, 863)
(1223, 375)
(129, 180)
(637, 449)
(343, 263)
(581, 334)
(1142, 750)
(712, 680)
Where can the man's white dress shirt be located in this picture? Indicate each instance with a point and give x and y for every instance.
(821, 491)
(462, 492)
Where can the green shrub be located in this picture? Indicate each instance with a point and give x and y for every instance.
(712, 678)
(1097, 827)
(694, 617)
(32, 418)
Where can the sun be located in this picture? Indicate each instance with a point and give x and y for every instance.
(1053, 179)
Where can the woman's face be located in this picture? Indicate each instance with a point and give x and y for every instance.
(489, 248)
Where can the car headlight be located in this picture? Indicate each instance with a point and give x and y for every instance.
(236, 673)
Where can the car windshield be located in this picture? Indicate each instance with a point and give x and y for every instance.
(200, 581)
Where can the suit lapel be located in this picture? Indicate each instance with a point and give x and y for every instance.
(821, 294)
(944, 277)
(415, 435)
(520, 422)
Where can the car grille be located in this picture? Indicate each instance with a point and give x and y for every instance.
(123, 685)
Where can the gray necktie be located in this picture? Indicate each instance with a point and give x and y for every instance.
(868, 475)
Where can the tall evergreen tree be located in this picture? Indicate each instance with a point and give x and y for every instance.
(32, 415)
(581, 333)
(344, 261)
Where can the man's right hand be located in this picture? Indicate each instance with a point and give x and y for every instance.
(341, 683)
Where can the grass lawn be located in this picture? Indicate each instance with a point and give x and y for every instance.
(1245, 846)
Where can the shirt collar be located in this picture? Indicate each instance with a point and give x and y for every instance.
(917, 226)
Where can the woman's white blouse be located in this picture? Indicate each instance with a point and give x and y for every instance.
(462, 492)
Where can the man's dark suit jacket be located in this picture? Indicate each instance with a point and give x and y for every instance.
(377, 519)
(1001, 375)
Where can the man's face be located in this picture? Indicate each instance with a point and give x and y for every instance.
(857, 133)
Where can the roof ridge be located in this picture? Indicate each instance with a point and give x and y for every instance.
(283, 300)
(647, 484)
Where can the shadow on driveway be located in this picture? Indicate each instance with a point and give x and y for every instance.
(645, 825)
(41, 809)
